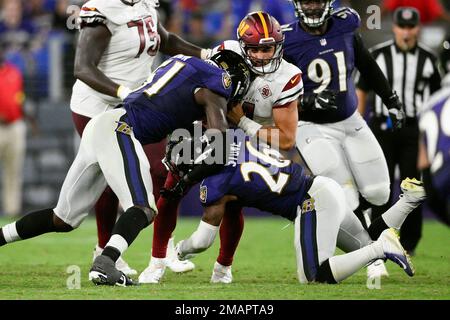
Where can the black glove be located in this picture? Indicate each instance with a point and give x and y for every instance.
(396, 113)
(176, 192)
(325, 100)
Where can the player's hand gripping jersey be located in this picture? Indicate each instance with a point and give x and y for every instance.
(269, 91)
(128, 56)
(327, 62)
(166, 102)
(261, 178)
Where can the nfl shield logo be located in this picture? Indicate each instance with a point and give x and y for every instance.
(265, 91)
(323, 42)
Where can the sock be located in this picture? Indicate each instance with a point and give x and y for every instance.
(200, 240)
(345, 265)
(397, 214)
(377, 227)
(165, 221)
(359, 212)
(230, 233)
(9, 234)
(106, 215)
(32, 225)
(127, 229)
(324, 273)
(112, 252)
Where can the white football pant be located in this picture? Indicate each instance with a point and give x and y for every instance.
(109, 154)
(348, 152)
(324, 221)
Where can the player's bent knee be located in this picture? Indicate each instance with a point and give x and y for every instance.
(61, 226)
(376, 194)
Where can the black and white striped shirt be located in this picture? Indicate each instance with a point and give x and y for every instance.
(414, 75)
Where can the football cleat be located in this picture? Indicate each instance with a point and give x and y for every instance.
(413, 190)
(121, 264)
(172, 261)
(377, 269)
(394, 251)
(104, 272)
(221, 274)
(154, 272)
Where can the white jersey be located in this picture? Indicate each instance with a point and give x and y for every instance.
(128, 58)
(270, 91)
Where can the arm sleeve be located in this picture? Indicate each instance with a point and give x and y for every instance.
(435, 80)
(369, 69)
(361, 83)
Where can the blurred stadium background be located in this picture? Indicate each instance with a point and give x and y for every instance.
(39, 37)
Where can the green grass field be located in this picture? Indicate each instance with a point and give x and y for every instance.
(264, 268)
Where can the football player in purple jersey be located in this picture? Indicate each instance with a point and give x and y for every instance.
(181, 90)
(258, 176)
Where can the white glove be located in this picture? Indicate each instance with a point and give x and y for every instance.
(123, 92)
(205, 54)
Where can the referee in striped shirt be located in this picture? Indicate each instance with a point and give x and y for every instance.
(412, 72)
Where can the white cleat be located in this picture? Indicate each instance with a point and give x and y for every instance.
(221, 274)
(413, 190)
(121, 264)
(377, 269)
(394, 251)
(175, 264)
(154, 272)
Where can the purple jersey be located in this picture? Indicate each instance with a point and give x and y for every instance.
(435, 124)
(327, 61)
(261, 179)
(166, 102)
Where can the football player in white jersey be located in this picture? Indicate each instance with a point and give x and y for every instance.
(117, 46)
(269, 110)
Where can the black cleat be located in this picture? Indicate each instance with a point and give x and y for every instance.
(104, 272)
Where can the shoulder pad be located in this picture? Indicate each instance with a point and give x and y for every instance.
(348, 16)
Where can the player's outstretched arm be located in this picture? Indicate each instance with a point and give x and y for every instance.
(91, 46)
(172, 44)
(369, 69)
(206, 232)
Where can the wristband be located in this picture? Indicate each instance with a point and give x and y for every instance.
(249, 126)
(123, 92)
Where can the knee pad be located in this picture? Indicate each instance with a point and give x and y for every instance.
(321, 156)
(376, 194)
